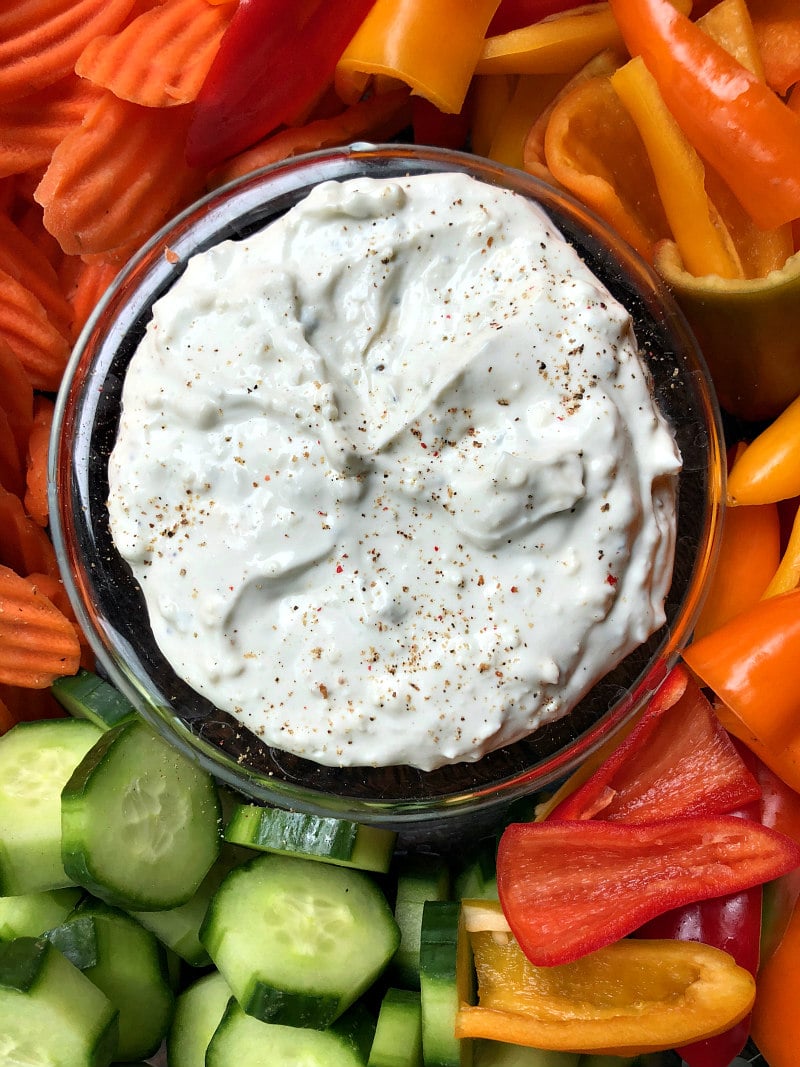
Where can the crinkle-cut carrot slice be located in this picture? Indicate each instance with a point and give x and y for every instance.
(12, 477)
(379, 117)
(24, 705)
(41, 349)
(24, 546)
(7, 719)
(25, 262)
(38, 643)
(51, 586)
(29, 219)
(16, 396)
(35, 498)
(118, 177)
(34, 126)
(161, 58)
(41, 39)
(90, 283)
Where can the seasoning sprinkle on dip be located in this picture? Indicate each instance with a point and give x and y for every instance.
(391, 477)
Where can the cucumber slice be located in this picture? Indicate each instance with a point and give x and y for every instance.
(198, 1011)
(477, 878)
(36, 759)
(127, 963)
(298, 941)
(178, 929)
(85, 696)
(249, 1042)
(398, 1035)
(419, 878)
(32, 914)
(498, 1054)
(51, 1013)
(139, 821)
(293, 833)
(446, 980)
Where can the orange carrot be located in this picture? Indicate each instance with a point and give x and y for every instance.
(41, 39)
(162, 57)
(30, 222)
(24, 545)
(118, 177)
(16, 397)
(34, 126)
(90, 283)
(41, 348)
(36, 473)
(23, 705)
(11, 474)
(37, 642)
(21, 258)
(379, 117)
(52, 587)
(7, 720)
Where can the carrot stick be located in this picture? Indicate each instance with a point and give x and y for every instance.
(42, 349)
(381, 116)
(162, 57)
(41, 39)
(24, 545)
(118, 177)
(37, 642)
(36, 472)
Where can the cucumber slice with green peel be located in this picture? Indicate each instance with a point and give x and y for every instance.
(477, 878)
(498, 1054)
(179, 928)
(36, 759)
(293, 833)
(127, 963)
(398, 1035)
(298, 941)
(86, 696)
(32, 914)
(246, 1041)
(139, 821)
(51, 1013)
(446, 981)
(420, 877)
(198, 1012)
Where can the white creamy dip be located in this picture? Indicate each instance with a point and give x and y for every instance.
(390, 475)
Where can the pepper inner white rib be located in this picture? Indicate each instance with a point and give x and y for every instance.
(390, 475)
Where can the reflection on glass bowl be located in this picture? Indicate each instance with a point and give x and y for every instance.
(110, 605)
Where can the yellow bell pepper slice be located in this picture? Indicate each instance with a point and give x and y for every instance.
(533, 93)
(490, 96)
(730, 25)
(769, 469)
(787, 575)
(404, 40)
(557, 45)
(631, 997)
(702, 239)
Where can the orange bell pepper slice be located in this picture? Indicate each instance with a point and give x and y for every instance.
(735, 121)
(752, 663)
(769, 470)
(702, 238)
(533, 93)
(404, 39)
(730, 25)
(593, 148)
(787, 575)
(631, 997)
(491, 94)
(777, 30)
(775, 1024)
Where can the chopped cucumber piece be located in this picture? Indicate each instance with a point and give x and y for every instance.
(398, 1035)
(419, 878)
(32, 914)
(446, 980)
(298, 941)
(477, 878)
(126, 962)
(51, 1013)
(498, 1054)
(139, 821)
(248, 1042)
(36, 759)
(198, 1011)
(85, 696)
(293, 833)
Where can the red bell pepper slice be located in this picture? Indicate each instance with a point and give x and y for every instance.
(736, 122)
(514, 14)
(677, 760)
(568, 888)
(274, 60)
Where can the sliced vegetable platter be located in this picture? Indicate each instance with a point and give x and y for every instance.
(651, 903)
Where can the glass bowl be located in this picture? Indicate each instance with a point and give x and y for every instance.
(112, 611)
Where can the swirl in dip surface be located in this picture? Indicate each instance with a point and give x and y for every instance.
(390, 475)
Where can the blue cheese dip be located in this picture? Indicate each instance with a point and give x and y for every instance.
(390, 475)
